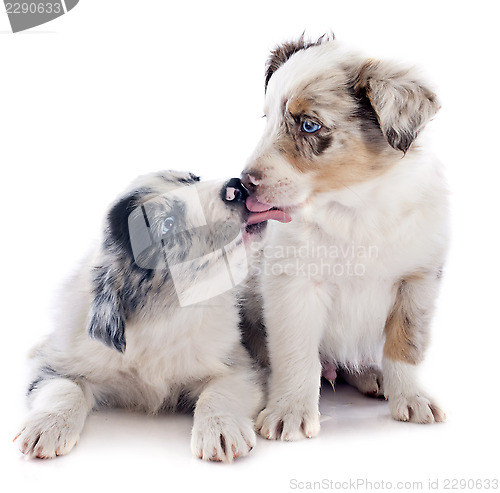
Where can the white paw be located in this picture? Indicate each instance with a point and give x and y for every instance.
(292, 423)
(46, 435)
(416, 409)
(222, 439)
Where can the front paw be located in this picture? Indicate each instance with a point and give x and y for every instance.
(290, 423)
(416, 409)
(222, 439)
(46, 435)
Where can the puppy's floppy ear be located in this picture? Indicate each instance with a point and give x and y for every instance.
(107, 314)
(403, 104)
(117, 231)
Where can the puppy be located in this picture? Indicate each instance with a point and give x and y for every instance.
(150, 321)
(351, 282)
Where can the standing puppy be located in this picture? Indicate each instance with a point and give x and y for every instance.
(352, 281)
(150, 321)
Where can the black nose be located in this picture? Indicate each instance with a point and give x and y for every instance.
(234, 192)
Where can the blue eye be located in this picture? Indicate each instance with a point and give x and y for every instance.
(310, 127)
(168, 224)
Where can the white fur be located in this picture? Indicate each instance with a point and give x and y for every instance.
(343, 316)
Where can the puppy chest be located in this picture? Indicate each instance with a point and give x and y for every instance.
(354, 329)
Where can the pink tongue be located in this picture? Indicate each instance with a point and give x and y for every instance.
(264, 212)
(260, 217)
(253, 205)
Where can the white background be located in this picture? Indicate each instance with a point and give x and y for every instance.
(116, 88)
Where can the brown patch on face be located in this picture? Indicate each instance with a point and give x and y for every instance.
(356, 164)
(298, 106)
(403, 332)
(333, 168)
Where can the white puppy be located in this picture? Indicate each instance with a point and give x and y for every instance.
(157, 300)
(351, 282)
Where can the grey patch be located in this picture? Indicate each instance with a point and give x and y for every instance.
(252, 327)
(107, 314)
(181, 177)
(44, 373)
(136, 286)
(365, 115)
(192, 179)
(401, 140)
(34, 385)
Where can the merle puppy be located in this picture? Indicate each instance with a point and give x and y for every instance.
(150, 321)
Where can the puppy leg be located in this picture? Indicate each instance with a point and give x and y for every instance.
(295, 319)
(59, 409)
(368, 380)
(406, 334)
(223, 419)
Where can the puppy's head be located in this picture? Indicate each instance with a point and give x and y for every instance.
(170, 240)
(164, 221)
(334, 119)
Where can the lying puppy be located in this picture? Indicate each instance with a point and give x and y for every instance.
(351, 282)
(159, 294)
